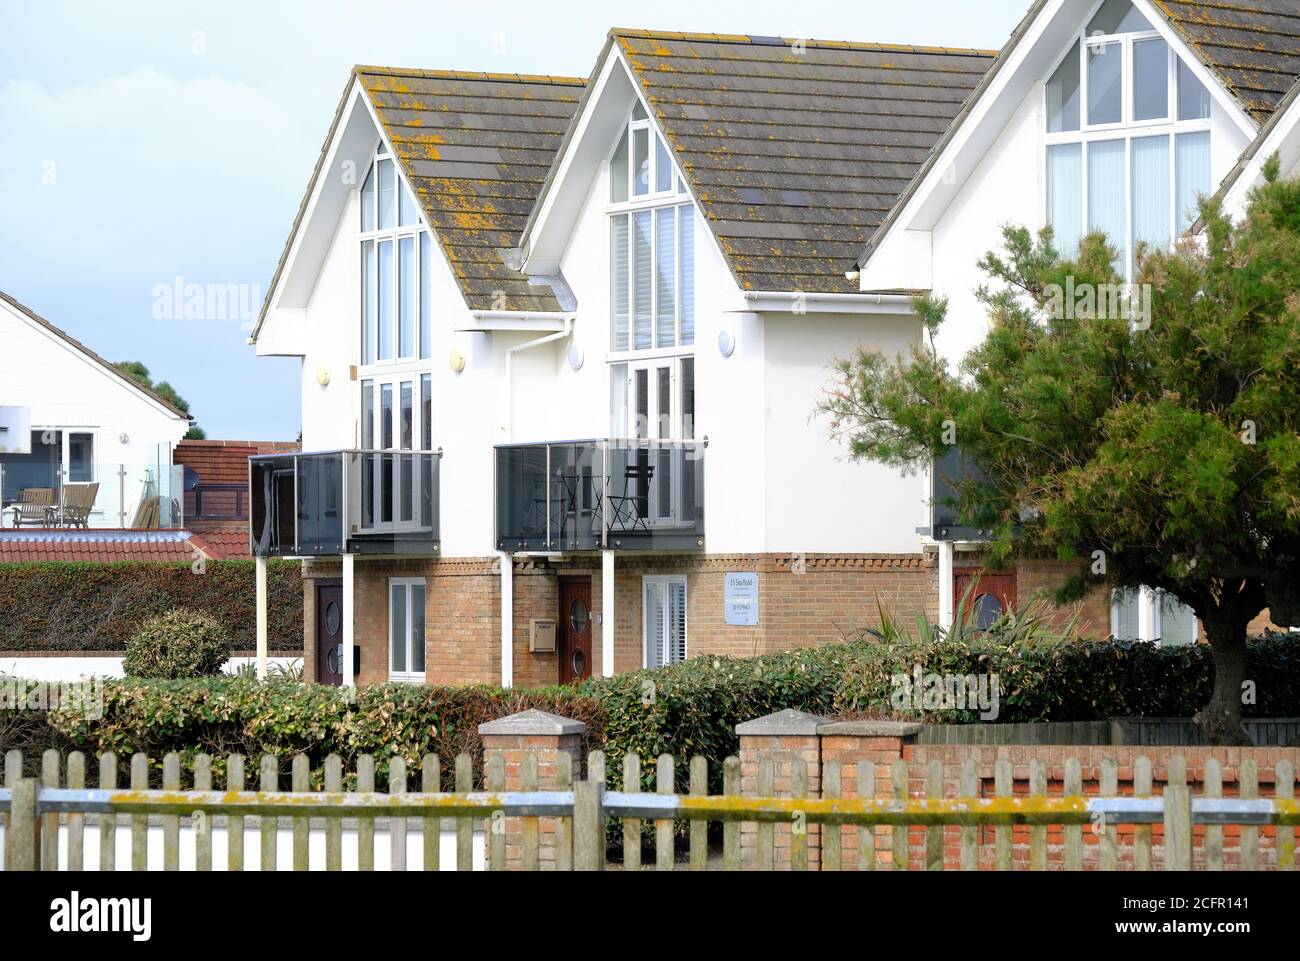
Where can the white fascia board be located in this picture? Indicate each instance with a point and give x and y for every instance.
(511, 320)
(285, 334)
(798, 302)
(606, 108)
(1282, 138)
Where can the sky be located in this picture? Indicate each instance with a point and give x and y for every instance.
(148, 145)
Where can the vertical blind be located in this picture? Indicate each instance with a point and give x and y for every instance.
(665, 620)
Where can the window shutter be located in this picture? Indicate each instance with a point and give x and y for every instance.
(654, 623)
(676, 621)
(1127, 602)
(417, 628)
(619, 280)
(686, 255)
(666, 277)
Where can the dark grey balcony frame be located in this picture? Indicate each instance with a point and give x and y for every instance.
(602, 453)
(416, 540)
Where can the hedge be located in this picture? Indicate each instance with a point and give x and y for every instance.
(58, 606)
(684, 710)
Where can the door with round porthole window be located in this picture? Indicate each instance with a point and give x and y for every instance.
(329, 632)
(987, 595)
(574, 647)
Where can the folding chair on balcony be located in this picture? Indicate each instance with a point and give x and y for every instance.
(34, 506)
(625, 508)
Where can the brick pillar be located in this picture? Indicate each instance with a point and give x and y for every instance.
(852, 742)
(782, 736)
(546, 736)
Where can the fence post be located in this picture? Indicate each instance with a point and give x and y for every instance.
(545, 736)
(589, 825)
(1178, 827)
(24, 830)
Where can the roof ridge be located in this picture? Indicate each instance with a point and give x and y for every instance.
(760, 40)
(467, 75)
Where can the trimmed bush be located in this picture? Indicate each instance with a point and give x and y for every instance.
(176, 645)
(58, 606)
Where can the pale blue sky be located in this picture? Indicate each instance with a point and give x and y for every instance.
(143, 140)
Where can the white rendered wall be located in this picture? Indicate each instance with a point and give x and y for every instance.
(65, 390)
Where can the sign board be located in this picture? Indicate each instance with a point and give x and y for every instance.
(740, 597)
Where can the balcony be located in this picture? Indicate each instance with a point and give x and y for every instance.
(591, 495)
(344, 502)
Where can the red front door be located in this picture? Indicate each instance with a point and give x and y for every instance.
(992, 595)
(574, 629)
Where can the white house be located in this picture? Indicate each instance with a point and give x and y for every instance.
(69, 418)
(561, 341)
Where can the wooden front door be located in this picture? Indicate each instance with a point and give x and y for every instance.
(329, 633)
(993, 595)
(574, 629)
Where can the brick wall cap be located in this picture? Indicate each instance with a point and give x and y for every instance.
(870, 728)
(532, 722)
(788, 721)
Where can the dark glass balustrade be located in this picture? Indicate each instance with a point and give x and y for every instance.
(600, 494)
(358, 502)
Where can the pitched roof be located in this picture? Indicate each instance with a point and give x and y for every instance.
(796, 150)
(1252, 46)
(89, 354)
(99, 546)
(476, 148)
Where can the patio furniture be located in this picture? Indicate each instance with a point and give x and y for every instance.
(34, 506)
(78, 502)
(626, 512)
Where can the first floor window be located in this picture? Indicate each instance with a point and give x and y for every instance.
(406, 628)
(664, 603)
(1144, 614)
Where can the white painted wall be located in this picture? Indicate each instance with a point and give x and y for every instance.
(66, 390)
(68, 669)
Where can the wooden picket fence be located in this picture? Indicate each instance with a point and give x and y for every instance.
(38, 811)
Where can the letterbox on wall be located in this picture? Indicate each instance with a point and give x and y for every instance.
(541, 635)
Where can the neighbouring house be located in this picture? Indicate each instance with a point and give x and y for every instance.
(561, 339)
(81, 443)
(215, 486)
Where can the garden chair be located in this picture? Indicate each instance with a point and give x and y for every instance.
(34, 506)
(628, 510)
(78, 502)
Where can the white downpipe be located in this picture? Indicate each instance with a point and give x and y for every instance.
(607, 613)
(1148, 614)
(527, 345)
(349, 620)
(945, 584)
(507, 620)
(262, 645)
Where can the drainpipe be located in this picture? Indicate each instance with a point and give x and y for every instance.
(528, 345)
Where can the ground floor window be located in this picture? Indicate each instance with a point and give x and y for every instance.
(406, 628)
(1146, 614)
(55, 456)
(664, 604)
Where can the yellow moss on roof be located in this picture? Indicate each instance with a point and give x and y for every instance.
(622, 33)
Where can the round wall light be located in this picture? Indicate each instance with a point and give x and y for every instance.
(726, 343)
(575, 357)
(323, 376)
(456, 361)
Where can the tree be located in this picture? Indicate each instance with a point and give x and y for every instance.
(1157, 446)
(140, 373)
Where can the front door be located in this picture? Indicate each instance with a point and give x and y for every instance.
(575, 629)
(329, 633)
(991, 596)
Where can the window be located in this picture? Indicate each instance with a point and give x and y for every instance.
(57, 456)
(1128, 138)
(406, 628)
(396, 269)
(652, 244)
(396, 488)
(1143, 614)
(664, 606)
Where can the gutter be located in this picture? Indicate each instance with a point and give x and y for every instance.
(802, 302)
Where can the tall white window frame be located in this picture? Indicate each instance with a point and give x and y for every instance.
(665, 627)
(1127, 130)
(395, 413)
(1147, 614)
(395, 270)
(406, 628)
